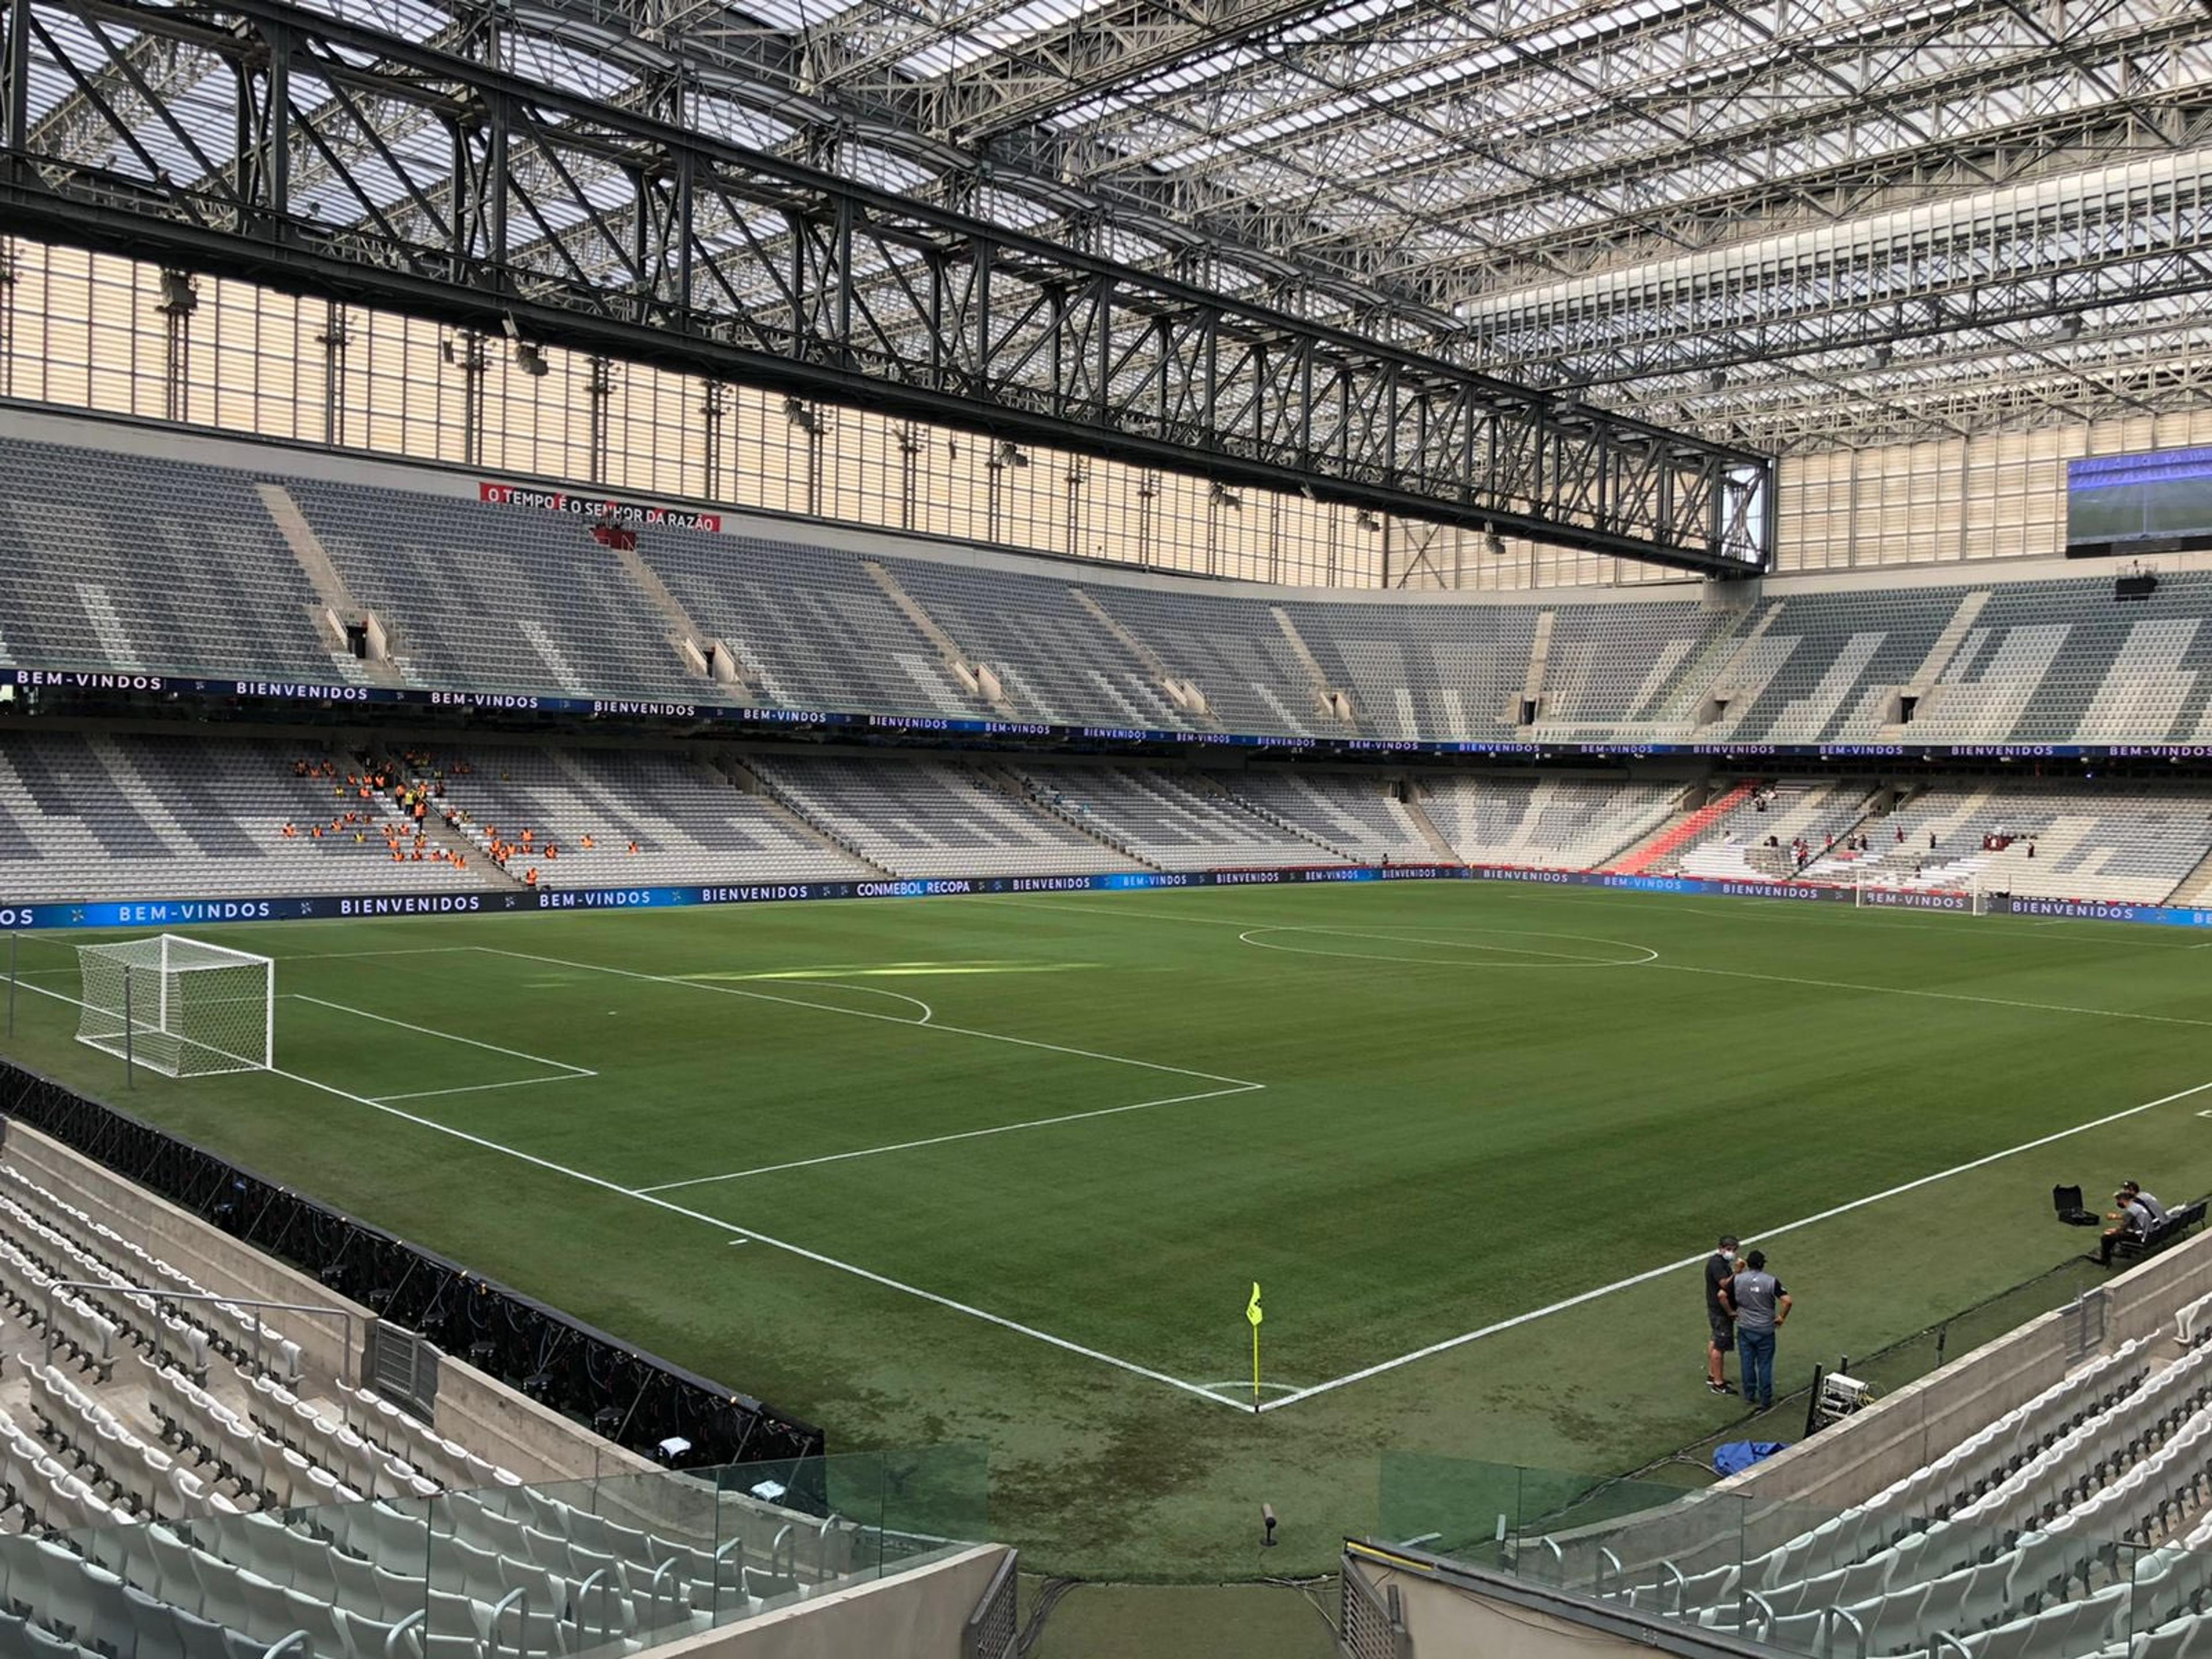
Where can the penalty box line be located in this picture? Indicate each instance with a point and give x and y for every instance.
(564, 1072)
(939, 1140)
(1234, 1082)
(1650, 1273)
(746, 1234)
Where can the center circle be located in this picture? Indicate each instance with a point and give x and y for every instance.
(1620, 952)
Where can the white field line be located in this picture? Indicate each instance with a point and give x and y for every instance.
(939, 1140)
(1650, 1273)
(406, 1025)
(1936, 996)
(719, 989)
(478, 1088)
(1728, 909)
(349, 956)
(740, 1235)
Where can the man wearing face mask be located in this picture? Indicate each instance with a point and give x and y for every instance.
(1720, 1318)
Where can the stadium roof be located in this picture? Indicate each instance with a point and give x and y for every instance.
(1785, 223)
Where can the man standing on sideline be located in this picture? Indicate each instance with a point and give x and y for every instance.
(1760, 1304)
(1720, 1322)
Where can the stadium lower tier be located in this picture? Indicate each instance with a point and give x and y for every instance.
(369, 576)
(88, 816)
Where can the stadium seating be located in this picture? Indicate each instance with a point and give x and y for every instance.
(1358, 816)
(1570, 823)
(932, 818)
(215, 1501)
(686, 820)
(84, 817)
(495, 598)
(2073, 1524)
(1170, 820)
(2126, 843)
(513, 600)
(144, 574)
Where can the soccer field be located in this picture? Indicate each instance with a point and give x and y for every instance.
(1004, 1169)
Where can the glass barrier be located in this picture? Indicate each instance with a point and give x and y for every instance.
(609, 1565)
(2076, 1548)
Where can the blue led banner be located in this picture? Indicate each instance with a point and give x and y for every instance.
(200, 913)
(79, 685)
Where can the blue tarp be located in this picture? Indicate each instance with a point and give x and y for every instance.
(1737, 1455)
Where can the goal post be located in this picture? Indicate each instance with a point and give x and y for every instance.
(179, 1005)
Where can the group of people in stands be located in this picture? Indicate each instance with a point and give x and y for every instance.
(413, 799)
(416, 787)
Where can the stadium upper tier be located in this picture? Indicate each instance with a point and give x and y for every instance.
(146, 551)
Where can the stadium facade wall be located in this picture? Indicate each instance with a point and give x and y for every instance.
(89, 334)
(922, 1613)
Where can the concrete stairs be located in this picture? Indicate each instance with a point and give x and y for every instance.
(1680, 833)
(1181, 689)
(704, 655)
(2194, 887)
(1214, 786)
(1032, 792)
(978, 680)
(338, 604)
(1922, 686)
(1438, 842)
(1333, 701)
(743, 778)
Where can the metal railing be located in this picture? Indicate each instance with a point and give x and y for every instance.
(993, 1631)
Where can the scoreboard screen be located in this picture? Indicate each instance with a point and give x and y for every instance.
(2155, 504)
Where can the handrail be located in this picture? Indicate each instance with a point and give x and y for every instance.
(492, 1643)
(158, 1296)
(992, 1630)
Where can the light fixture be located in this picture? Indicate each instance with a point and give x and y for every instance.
(2069, 327)
(530, 358)
(1222, 495)
(1493, 544)
(1878, 355)
(1717, 380)
(799, 413)
(179, 297)
(1367, 520)
(1009, 453)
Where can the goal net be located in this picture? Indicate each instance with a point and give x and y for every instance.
(1960, 893)
(183, 1007)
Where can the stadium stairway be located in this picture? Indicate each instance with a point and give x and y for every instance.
(2194, 886)
(1439, 843)
(1021, 788)
(1679, 834)
(746, 780)
(1245, 804)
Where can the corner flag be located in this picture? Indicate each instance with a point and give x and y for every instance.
(1252, 1313)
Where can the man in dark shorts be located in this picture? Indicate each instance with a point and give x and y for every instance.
(1720, 1267)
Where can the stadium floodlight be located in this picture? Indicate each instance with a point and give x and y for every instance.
(179, 1005)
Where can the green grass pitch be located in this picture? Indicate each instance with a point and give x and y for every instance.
(1004, 1169)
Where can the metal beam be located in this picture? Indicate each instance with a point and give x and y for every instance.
(764, 271)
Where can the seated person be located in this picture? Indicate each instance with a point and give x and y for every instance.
(2134, 1222)
(2157, 1210)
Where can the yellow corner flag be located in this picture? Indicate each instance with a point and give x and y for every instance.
(1252, 1313)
